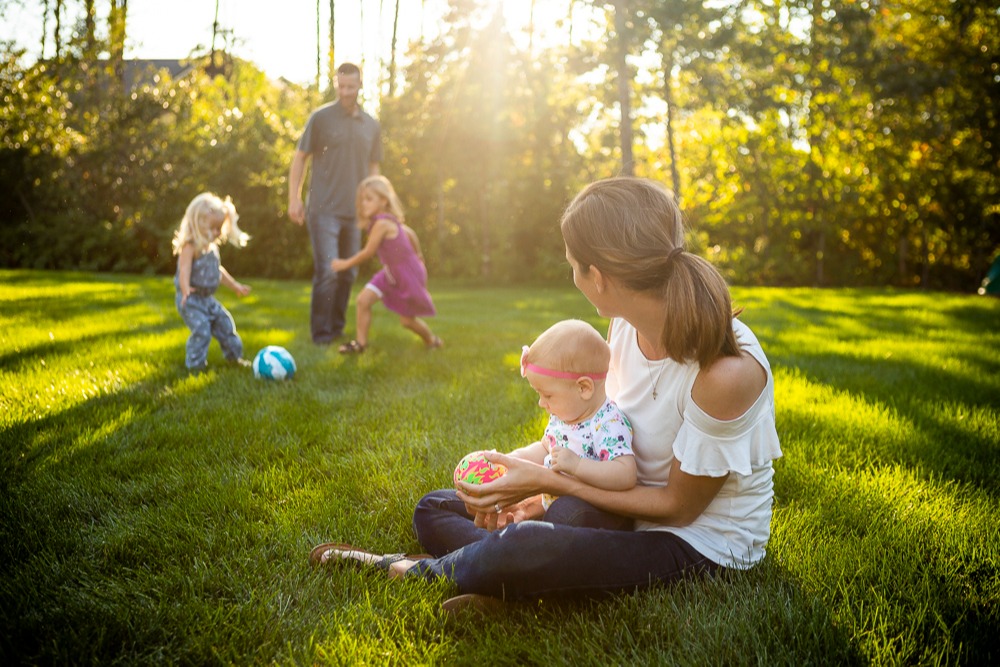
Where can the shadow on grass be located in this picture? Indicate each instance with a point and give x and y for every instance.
(943, 390)
(16, 360)
(87, 495)
(892, 562)
(970, 456)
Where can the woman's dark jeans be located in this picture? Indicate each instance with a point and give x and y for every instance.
(593, 554)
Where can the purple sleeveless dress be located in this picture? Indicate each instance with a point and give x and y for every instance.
(402, 281)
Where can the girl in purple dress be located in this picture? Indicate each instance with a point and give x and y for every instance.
(402, 282)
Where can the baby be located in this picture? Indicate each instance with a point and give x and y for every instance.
(587, 436)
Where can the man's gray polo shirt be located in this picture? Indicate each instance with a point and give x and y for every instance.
(342, 148)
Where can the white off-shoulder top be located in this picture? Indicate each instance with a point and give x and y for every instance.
(734, 528)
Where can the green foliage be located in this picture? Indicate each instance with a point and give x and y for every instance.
(152, 516)
(847, 142)
(98, 177)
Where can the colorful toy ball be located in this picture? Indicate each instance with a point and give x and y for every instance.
(273, 363)
(475, 469)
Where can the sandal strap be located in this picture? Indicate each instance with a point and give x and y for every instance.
(353, 347)
(387, 560)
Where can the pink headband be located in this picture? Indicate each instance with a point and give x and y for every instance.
(562, 375)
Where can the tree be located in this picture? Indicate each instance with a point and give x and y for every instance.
(621, 50)
(392, 49)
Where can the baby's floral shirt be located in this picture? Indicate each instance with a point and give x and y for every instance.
(605, 436)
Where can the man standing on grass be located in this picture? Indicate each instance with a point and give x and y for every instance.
(346, 146)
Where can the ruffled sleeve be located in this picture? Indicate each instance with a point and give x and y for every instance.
(709, 447)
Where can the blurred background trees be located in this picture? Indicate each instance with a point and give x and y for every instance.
(810, 142)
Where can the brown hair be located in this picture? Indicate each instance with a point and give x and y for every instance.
(631, 230)
(349, 69)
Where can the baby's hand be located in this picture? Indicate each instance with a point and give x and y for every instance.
(563, 460)
(339, 265)
(242, 290)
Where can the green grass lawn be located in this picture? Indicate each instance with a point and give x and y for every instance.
(152, 516)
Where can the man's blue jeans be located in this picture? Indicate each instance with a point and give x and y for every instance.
(332, 237)
(536, 558)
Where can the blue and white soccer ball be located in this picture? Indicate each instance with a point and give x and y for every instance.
(273, 363)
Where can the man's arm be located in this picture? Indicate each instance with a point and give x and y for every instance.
(296, 209)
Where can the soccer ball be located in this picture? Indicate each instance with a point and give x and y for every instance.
(273, 363)
(475, 469)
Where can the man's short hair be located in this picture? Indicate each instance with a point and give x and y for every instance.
(349, 69)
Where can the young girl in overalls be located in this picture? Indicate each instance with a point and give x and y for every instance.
(207, 221)
(402, 282)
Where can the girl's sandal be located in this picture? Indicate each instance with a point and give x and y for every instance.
(354, 347)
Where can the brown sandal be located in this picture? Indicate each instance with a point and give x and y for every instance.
(354, 347)
(383, 563)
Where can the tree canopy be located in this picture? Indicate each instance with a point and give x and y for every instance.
(826, 142)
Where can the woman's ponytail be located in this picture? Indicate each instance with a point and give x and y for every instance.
(698, 312)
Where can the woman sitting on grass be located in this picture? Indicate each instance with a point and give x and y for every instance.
(699, 392)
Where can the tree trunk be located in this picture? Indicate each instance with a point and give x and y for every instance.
(45, 26)
(624, 99)
(215, 34)
(925, 273)
(319, 48)
(392, 52)
(531, 30)
(902, 254)
(332, 55)
(57, 37)
(90, 31)
(814, 168)
(117, 20)
(668, 97)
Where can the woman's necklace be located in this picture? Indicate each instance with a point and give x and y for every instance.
(659, 373)
(649, 369)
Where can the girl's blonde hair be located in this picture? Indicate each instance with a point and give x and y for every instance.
(381, 186)
(196, 224)
(571, 346)
(631, 230)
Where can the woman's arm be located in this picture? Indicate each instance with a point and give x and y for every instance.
(729, 387)
(378, 233)
(680, 502)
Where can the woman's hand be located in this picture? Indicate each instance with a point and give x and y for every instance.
(530, 508)
(523, 479)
